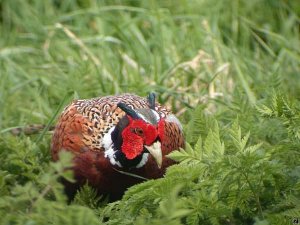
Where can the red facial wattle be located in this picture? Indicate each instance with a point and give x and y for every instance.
(161, 130)
(133, 144)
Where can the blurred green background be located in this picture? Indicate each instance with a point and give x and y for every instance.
(186, 51)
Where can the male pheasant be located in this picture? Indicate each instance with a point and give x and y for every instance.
(114, 136)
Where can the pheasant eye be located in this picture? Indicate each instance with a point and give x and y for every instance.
(138, 131)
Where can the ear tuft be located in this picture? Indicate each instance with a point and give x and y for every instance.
(151, 100)
(129, 111)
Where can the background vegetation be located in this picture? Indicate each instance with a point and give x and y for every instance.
(229, 69)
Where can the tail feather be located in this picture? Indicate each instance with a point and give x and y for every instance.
(29, 129)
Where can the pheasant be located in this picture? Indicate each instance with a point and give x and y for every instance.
(114, 137)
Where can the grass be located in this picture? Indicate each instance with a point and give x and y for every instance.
(228, 56)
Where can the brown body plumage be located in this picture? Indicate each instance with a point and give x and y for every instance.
(82, 127)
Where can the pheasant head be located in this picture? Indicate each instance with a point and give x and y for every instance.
(138, 134)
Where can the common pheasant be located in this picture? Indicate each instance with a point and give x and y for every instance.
(114, 137)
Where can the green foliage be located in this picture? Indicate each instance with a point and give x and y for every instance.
(228, 69)
(42, 201)
(87, 196)
(212, 184)
(286, 111)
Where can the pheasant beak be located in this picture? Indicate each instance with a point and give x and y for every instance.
(155, 151)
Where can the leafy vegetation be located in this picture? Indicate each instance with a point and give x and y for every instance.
(229, 69)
